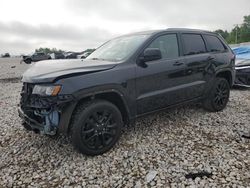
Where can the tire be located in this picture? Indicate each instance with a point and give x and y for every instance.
(96, 127)
(218, 96)
(27, 61)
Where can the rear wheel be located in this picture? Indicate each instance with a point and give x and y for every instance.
(218, 97)
(96, 127)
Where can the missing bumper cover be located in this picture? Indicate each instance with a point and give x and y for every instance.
(49, 124)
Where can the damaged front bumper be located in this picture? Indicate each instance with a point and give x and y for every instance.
(46, 115)
(242, 77)
(47, 126)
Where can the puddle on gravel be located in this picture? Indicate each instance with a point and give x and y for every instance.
(199, 174)
(245, 136)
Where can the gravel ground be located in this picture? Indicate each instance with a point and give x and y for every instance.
(158, 152)
(11, 68)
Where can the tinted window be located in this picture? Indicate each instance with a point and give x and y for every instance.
(193, 44)
(214, 44)
(168, 45)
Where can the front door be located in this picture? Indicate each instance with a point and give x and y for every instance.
(160, 82)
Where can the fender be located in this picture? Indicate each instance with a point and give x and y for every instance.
(111, 88)
(218, 71)
(91, 93)
(232, 73)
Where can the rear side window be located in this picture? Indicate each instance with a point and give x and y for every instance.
(214, 44)
(193, 44)
(167, 44)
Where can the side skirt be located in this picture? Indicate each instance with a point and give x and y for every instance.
(196, 100)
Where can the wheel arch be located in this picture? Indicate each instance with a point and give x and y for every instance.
(227, 74)
(118, 100)
(112, 96)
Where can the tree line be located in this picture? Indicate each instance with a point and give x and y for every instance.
(239, 34)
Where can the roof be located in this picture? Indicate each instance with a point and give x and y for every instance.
(188, 30)
(149, 32)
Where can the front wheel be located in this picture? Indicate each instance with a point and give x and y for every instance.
(28, 61)
(218, 96)
(96, 127)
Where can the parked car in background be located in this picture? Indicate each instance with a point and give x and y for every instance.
(71, 55)
(37, 56)
(242, 66)
(57, 55)
(5, 55)
(126, 78)
(83, 55)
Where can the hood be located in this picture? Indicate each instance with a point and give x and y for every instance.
(49, 70)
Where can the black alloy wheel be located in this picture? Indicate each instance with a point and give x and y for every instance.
(221, 94)
(99, 129)
(218, 96)
(96, 127)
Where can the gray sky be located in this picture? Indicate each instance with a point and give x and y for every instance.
(80, 24)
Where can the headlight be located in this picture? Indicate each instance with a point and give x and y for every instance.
(46, 90)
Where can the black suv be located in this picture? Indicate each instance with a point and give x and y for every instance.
(125, 78)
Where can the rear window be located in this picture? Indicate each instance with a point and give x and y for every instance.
(193, 44)
(214, 44)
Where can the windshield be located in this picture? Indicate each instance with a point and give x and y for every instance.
(118, 49)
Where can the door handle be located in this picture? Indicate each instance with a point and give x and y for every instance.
(177, 63)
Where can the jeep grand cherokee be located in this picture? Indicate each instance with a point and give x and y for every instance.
(90, 100)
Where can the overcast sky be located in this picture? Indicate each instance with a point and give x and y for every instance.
(80, 24)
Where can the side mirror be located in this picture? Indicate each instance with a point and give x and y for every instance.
(151, 54)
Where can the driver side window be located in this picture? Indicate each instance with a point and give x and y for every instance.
(168, 46)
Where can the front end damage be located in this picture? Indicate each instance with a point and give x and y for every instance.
(44, 114)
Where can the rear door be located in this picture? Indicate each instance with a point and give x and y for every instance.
(198, 62)
(217, 49)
